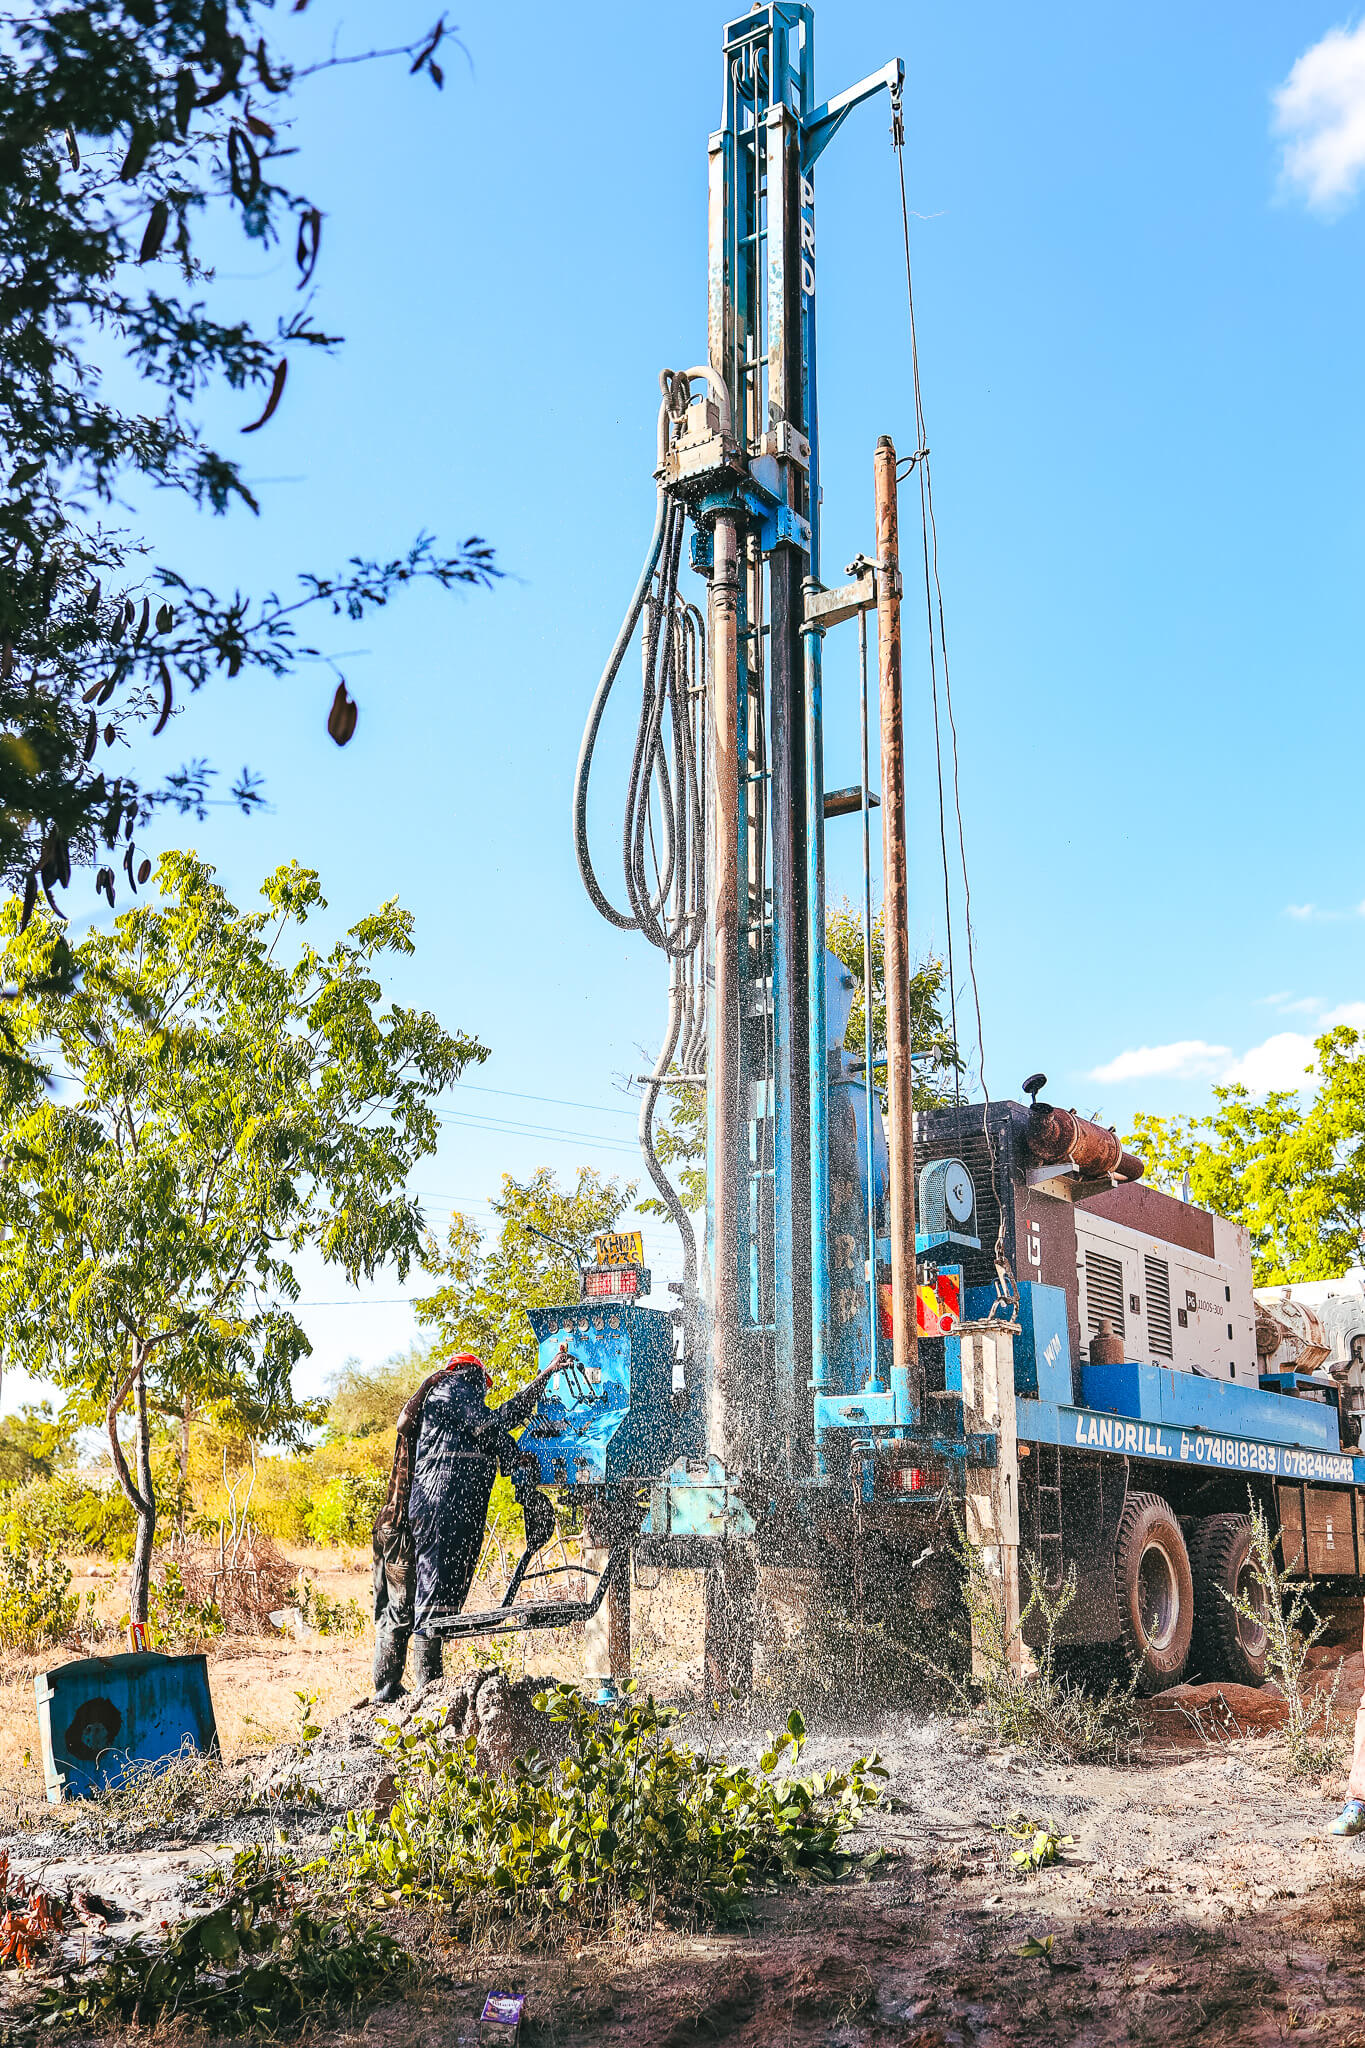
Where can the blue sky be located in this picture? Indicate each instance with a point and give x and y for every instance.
(1139, 276)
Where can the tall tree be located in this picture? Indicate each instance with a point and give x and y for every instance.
(133, 134)
(231, 1097)
(545, 1234)
(1291, 1166)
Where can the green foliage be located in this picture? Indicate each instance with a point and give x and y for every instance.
(325, 1615)
(1041, 1843)
(345, 1509)
(481, 1305)
(628, 1824)
(135, 136)
(69, 1515)
(255, 1964)
(931, 1037)
(35, 1444)
(364, 1401)
(230, 1105)
(36, 1603)
(1290, 1167)
(177, 1621)
(1280, 1606)
(1039, 1710)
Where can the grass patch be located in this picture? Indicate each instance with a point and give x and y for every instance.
(627, 1827)
(1042, 1711)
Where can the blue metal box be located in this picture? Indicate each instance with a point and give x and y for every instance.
(1042, 1349)
(1185, 1400)
(100, 1714)
(609, 1414)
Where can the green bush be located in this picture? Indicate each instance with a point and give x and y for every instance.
(176, 1619)
(344, 1510)
(65, 1513)
(322, 1613)
(628, 1823)
(36, 1602)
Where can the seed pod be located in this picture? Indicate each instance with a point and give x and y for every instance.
(144, 870)
(438, 77)
(308, 245)
(63, 857)
(95, 690)
(128, 867)
(244, 166)
(107, 690)
(139, 149)
(341, 719)
(166, 701)
(30, 898)
(92, 601)
(260, 127)
(104, 884)
(110, 735)
(185, 92)
(129, 611)
(130, 821)
(91, 735)
(143, 622)
(276, 393)
(270, 83)
(6, 661)
(71, 149)
(165, 619)
(154, 234)
(52, 902)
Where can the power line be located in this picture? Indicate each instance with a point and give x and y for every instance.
(560, 1101)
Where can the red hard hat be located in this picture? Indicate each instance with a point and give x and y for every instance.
(466, 1361)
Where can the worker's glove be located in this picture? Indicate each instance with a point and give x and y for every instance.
(536, 1508)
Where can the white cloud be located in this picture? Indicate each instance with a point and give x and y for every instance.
(1278, 1063)
(1313, 913)
(1320, 111)
(1143, 1062)
(1345, 1013)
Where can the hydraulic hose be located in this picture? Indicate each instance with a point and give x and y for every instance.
(663, 826)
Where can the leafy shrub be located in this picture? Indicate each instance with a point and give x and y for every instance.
(326, 1616)
(36, 1603)
(66, 1513)
(628, 1823)
(177, 1617)
(256, 1962)
(35, 1444)
(1040, 1710)
(344, 1510)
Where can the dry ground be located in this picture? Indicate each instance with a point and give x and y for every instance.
(1201, 1900)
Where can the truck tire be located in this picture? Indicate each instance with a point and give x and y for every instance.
(1155, 1592)
(1227, 1644)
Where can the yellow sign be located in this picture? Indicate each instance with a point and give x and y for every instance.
(621, 1248)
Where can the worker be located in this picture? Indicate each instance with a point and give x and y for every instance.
(429, 1532)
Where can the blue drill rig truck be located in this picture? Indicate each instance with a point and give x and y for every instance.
(890, 1316)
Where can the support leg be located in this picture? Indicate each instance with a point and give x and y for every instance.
(606, 1636)
(731, 1597)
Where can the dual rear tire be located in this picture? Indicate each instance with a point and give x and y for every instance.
(1172, 1597)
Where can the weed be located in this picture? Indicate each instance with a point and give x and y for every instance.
(256, 1963)
(323, 1614)
(178, 1619)
(1040, 1949)
(1041, 1711)
(309, 1729)
(154, 1796)
(1312, 1732)
(1042, 1843)
(36, 1603)
(628, 1825)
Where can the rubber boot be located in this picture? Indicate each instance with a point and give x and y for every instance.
(390, 1653)
(428, 1660)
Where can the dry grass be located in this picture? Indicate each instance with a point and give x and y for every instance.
(254, 1678)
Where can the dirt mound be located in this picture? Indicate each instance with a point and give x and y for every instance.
(345, 1767)
(1217, 1709)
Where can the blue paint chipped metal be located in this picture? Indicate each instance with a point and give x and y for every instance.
(99, 1715)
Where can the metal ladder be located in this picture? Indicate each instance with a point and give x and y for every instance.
(1048, 1491)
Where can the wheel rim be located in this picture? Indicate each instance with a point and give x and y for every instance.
(1251, 1634)
(1158, 1598)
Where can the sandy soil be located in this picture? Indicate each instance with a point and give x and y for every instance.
(1200, 1900)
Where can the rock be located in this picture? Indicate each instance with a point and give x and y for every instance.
(1223, 1706)
(345, 1767)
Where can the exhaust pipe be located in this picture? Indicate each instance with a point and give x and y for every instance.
(1058, 1137)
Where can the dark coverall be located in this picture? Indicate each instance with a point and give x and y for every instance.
(429, 1532)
